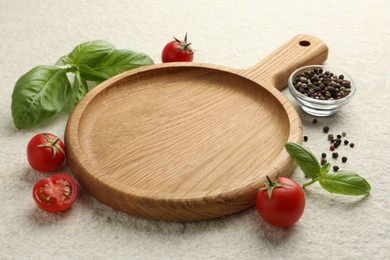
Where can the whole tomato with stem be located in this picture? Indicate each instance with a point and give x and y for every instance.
(45, 152)
(56, 193)
(177, 50)
(280, 202)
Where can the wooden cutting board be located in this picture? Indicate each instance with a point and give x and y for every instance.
(188, 141)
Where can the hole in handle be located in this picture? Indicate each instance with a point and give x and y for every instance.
(304, 43)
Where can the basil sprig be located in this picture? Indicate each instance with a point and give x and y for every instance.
(343, 182)
(44, 91)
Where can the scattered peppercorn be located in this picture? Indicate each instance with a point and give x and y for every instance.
(346, 142)
(331, 147)
(338, 136)
(335, 168)
(335, 155)
(344, 159)
(305, 138)
(323, 155)
(326, 129)
(322, 85)
(323, 161)
(315, 121)
(344, 134)
(331, 137)
(352, 145)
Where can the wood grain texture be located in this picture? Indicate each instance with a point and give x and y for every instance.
(186, 141)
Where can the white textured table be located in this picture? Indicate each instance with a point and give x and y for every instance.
(225, 33)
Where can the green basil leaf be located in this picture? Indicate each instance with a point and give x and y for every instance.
(64, 60)
(119, 61)
(91, 74)
(88, 53)
(305, 159)
(38, 95)
(345, 182)
(80, 88)
(325, 169)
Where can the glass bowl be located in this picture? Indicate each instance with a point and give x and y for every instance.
(317, 106)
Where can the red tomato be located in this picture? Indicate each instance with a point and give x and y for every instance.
(280, 203)
(45, 152)
(55, 194)
(177, 51)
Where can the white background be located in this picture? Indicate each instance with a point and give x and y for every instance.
(234, 34)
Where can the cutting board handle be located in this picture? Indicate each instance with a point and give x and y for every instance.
(274, 70)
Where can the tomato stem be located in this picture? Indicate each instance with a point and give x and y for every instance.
(271, 185)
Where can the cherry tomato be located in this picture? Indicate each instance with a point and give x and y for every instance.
(55, 194)
(45, 152)
(177, 51)
(280, 202)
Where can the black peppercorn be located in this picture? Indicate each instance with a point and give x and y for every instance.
(323, 161)
(335, 168)
(346, 142)
(315, 121)
(316, 84)
(323, 155)
(326, 129)
(344, 159)
(305, 138)
(335, 155)
(352, 145)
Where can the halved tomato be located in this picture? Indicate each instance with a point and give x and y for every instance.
(56, 193)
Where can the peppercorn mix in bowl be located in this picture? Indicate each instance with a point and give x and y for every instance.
(321, 90)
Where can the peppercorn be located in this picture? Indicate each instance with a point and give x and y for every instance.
(346, 142)
(344, 134)
(326, 129)
(323, 86)
(305, 138)
(330, 137)
(335, 155)
(338, 136)
(335, 168)
(344, 159)
(315, 121)
(331, 147)
(323, 155)
(323, 161)
(352, 145)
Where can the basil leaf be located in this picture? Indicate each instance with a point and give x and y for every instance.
(64, 60)
(305, 159)
(90, 74)
(325, 169)
(88, 53)
(80, 88)
(345, 182)
(119, 61)
(38, 95)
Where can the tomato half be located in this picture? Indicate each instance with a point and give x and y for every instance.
(280, 202)
(55, 194)
(177, 50)
(45, 152)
